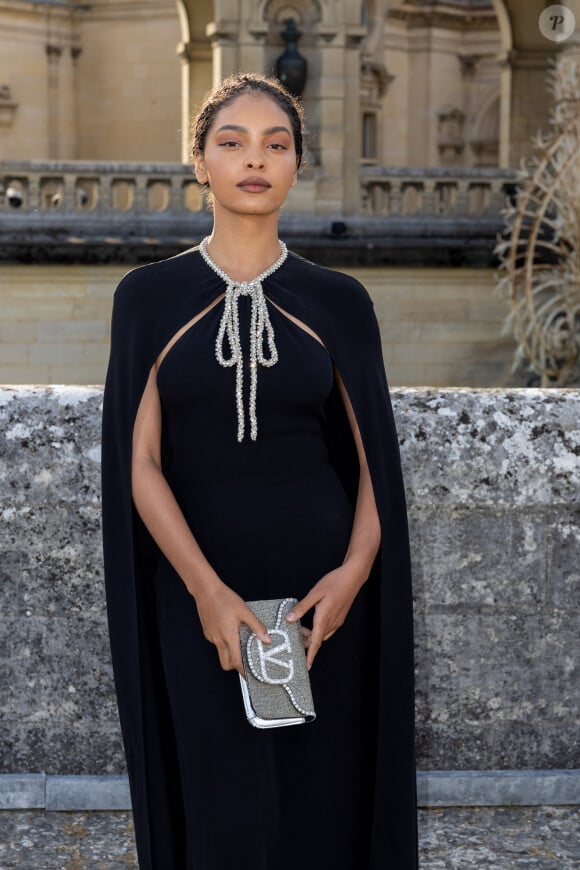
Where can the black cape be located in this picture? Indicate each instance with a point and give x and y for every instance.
(150, 305)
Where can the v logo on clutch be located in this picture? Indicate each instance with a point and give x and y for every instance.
(276, 685)
(272, 666)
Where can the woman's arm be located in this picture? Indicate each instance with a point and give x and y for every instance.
(333, 595)
(221, 611)
(365, 539)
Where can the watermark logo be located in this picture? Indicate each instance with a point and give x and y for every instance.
(557, 23)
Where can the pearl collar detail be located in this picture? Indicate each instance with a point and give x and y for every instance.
(260, 328)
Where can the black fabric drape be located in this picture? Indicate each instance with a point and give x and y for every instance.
(151, 304)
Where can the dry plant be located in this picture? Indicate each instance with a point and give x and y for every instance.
(539, 251)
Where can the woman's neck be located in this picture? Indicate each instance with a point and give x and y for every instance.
(245, 248)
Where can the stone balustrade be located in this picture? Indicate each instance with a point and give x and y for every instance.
(466, 193)
(81, 211)
(83, 186)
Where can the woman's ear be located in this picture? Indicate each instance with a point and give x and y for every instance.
(295, 179)
(199, 167)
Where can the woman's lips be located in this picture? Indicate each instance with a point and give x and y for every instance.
(254, 185)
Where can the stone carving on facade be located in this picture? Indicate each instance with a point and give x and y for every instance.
(450, 135)
(450, 14)
(375, 79)
(374, 82)
(541, 251)
(468, 64)
(304, 12)
(7, 106)
(484, 139)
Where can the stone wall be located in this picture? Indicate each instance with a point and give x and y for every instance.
(440, 326)
(494, 503)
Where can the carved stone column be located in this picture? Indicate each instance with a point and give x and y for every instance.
(530, 100)
(67, 104)
(75, 54)
(525, 98)
(196, 80)
(183, 50)
(330, 187)
(339, 119)
(352, 119)
(223, 36)
(53, 55)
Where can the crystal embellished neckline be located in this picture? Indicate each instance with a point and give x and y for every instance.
(260, 328)
(225, 277)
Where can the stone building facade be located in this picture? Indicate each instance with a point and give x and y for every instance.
(455, 88)
(392, 82)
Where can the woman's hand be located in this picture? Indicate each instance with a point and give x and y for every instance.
(221, 612)
(332, 598)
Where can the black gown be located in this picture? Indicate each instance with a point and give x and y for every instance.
(272, 516)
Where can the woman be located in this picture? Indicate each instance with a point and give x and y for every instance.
(249, 452)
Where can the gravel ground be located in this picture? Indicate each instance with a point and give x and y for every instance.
(493, 838)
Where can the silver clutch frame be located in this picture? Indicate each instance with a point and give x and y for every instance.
(256, 720)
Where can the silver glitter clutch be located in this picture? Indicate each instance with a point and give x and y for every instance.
(276, 691)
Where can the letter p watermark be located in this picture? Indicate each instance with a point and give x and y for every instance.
(557, 23)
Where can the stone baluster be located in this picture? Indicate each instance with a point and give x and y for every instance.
(407, 198)
(461, 205)
(32, 196)
(139, 192)
(429, 197)
(105, 199)
(68, 194)
(386, 198)
(365, 202)
(176, 195)
(497, 198)
(396, 197)
(377, 198)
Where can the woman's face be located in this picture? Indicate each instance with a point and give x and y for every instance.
(249, 158)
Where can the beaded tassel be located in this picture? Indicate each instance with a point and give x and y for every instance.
(260, 327)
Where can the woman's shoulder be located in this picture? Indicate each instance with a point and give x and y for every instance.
(342, 287)
(152, 279)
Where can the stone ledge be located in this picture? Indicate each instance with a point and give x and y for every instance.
(87, 792)
(22, 791)
(436, 788)
(329, 240)
(492, 788)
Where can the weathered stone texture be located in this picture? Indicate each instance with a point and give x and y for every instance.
(494, 838)
(493, 480)
(493, 484)
(57, 708)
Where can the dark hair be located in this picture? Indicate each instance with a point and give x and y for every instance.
(242, 83)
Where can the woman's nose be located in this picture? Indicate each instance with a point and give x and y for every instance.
(254, 163)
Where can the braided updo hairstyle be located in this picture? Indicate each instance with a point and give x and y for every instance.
(226, 93)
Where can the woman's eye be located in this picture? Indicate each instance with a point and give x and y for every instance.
(278, 146)
(228, 144)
